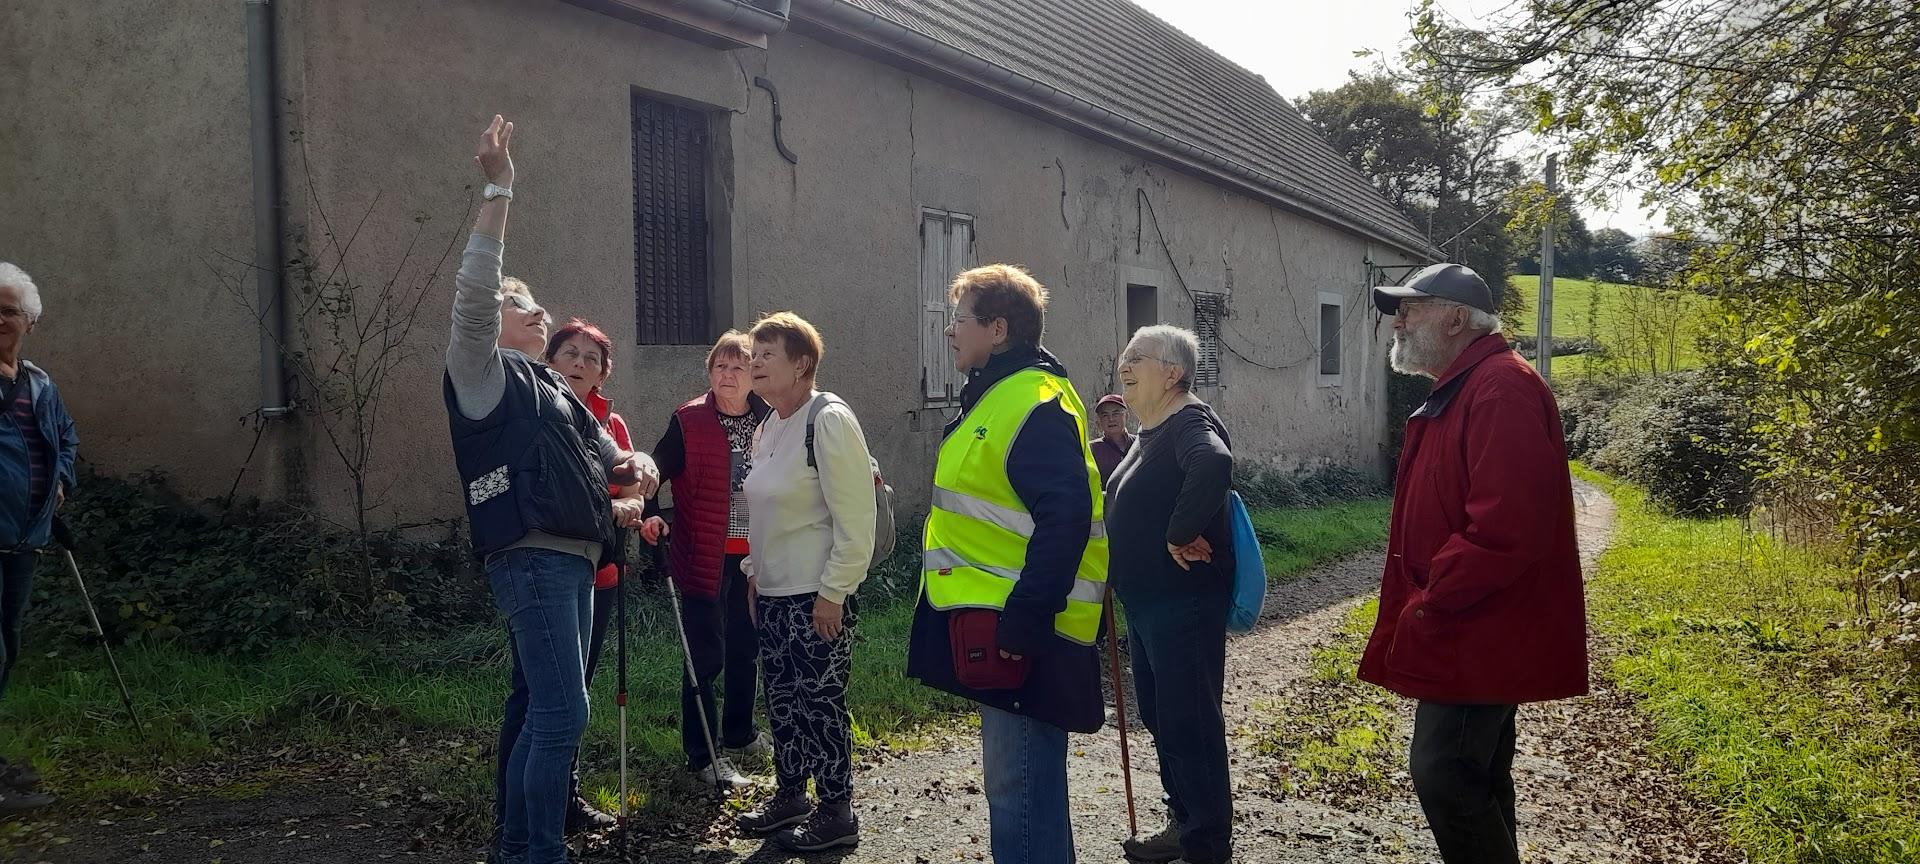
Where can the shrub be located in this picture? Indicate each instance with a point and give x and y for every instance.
(1584, 406)
(1686, 438)
(239, 577)
(1268, 486)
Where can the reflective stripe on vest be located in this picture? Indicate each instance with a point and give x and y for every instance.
(977, 533)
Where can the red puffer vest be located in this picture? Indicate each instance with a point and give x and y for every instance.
(702, 499)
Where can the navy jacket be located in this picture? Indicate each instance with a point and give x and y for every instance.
(531, 464)
(1049, 474)
(21, 525)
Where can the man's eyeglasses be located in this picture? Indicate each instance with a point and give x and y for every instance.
(1405, 306)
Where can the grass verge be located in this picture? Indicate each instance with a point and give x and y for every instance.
(1293, 540)
(1744, 653)
(360, 696)
(1333, 733)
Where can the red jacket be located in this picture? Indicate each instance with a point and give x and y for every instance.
(1481, 602)
(602, 409)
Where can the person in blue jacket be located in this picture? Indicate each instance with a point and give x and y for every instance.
(37, 446)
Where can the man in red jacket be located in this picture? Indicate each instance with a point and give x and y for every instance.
(1481, 604)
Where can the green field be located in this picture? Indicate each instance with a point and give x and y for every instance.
(1643, 329)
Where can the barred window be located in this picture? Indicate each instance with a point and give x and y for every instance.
(1207, 309)
(673, 294)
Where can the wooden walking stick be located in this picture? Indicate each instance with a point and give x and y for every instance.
(1120, 711)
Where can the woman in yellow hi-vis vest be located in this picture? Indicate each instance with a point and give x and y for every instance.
(1015, 562)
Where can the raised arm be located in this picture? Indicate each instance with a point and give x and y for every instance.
(473, 359)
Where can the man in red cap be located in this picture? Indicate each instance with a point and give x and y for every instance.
(1481, 604)
(1114, 441)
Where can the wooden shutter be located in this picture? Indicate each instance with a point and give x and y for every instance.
(673, 291)
(946, 249)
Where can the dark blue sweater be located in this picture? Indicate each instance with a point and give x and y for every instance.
(1049, 474)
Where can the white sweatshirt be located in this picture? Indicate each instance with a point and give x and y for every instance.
(812, 528)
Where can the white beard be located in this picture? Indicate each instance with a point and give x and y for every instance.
(1412, 353)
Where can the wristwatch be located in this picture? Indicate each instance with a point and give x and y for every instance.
(495, 190)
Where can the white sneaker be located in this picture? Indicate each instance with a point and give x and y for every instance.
(721, 771)
(760, 749)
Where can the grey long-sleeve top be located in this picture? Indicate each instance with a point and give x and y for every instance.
(474, 366)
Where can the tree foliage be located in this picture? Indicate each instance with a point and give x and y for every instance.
(1614, 257)
(1435, 154)
(1785, 135)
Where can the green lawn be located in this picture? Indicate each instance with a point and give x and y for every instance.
(1745, 654)
(1644, 329)
(355, 694)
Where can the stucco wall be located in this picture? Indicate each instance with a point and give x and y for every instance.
(387, 98)
(124, 184)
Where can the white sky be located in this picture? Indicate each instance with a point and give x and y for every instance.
(1308, 45)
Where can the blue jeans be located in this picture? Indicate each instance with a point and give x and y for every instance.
(16, 585)
(547, 598)
(1025, 761)
(605, 601)
(1178, 640)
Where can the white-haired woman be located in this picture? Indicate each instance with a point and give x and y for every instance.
(37, 447)
(1172, 568)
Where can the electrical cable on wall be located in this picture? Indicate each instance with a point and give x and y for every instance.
(1352, 304)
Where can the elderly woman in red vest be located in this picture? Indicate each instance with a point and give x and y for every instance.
(706, 451)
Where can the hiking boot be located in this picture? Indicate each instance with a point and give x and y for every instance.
(21, 800)
(721, 771)
(760, 749)
(19, 776)
(583, 817)
(1156, 848)
(830, 825)
(786, 807)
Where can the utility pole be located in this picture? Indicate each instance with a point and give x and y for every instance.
(1543, 326)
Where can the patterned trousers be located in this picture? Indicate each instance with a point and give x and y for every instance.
(806, 684)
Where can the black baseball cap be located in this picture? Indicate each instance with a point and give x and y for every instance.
(1454, 282)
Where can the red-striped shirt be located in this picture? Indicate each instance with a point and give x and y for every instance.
(39, 466)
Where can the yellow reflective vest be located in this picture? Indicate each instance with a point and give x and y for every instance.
(977, 532)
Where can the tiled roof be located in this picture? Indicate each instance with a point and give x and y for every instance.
(1120, 58)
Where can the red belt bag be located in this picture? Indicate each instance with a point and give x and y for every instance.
(976, 655)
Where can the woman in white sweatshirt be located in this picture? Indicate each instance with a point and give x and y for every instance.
(812, 539)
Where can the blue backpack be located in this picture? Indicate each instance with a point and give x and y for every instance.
(1249, 571)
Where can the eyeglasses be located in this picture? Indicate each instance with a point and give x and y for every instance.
(13, 313)
(1130, 359)
(1401, 311)
(956, 315)
(523, 304)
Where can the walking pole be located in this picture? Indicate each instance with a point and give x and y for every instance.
(620, 699)
(63, 536)
(700, 706)
(1120, 710)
